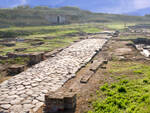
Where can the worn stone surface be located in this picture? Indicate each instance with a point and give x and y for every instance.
(26, 90)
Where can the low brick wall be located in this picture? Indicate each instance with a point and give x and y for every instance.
(59, 101)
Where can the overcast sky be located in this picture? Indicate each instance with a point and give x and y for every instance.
(109, 6)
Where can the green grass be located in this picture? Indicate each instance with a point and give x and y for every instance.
(64, 35)
(129, 37)
(56, 27)
(52, 44)
(5, 49)
(127, 95)
(35, 28)
(118, 26)
(41, 31)
(17, 60)
(91, 30)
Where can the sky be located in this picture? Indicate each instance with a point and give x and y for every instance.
(107, 6)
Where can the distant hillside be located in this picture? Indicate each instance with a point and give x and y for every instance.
(26, 16)
(141, 12)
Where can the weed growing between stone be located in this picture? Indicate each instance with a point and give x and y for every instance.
(127, 95)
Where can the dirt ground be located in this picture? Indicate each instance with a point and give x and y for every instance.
(114, 49)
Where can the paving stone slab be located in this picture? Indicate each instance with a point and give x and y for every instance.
(48, 75)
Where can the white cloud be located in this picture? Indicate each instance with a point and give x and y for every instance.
(126, 6)
(19, 2)
(23, 2)
(121, 6)
(140, 4)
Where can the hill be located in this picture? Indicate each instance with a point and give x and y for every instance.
(140, 12)
(26, 16)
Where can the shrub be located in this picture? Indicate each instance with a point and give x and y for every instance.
(124, 81)
(138, 71)
(145, 81)
(104, 87)
(122, 89)
(113, 86)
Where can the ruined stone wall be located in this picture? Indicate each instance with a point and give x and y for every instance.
(57, 19)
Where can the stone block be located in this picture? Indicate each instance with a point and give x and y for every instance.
(49, 37)
(16, 69)
(54, 102)
(3, 57)
(36, 58)
(95, 65)
(14, 55)
(37, 44)
(69, 100)
(105, 61)
(20, 49)
(9, 44)
(86, 76)
(59, 101)
(52, 53)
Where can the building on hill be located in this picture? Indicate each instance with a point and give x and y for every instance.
(58, 19)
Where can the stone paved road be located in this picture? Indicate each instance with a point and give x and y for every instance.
(26, 90)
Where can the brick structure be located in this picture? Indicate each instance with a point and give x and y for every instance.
(35, 58)
(16, 69)
(59, 101)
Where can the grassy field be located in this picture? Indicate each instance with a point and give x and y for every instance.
(119, 26)
(52, 36)
(130, 92)
(53, 30)
(130, 37)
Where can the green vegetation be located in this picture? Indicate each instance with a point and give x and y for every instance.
(39, 16)
(52, 44)
(58, 30)
(17, 60)
(130, 37)
(129, 94)
(91, 30)
(52, 37)
(49, 44)
(119, 26)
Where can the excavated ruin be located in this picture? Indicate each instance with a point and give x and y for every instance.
(25, 92)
